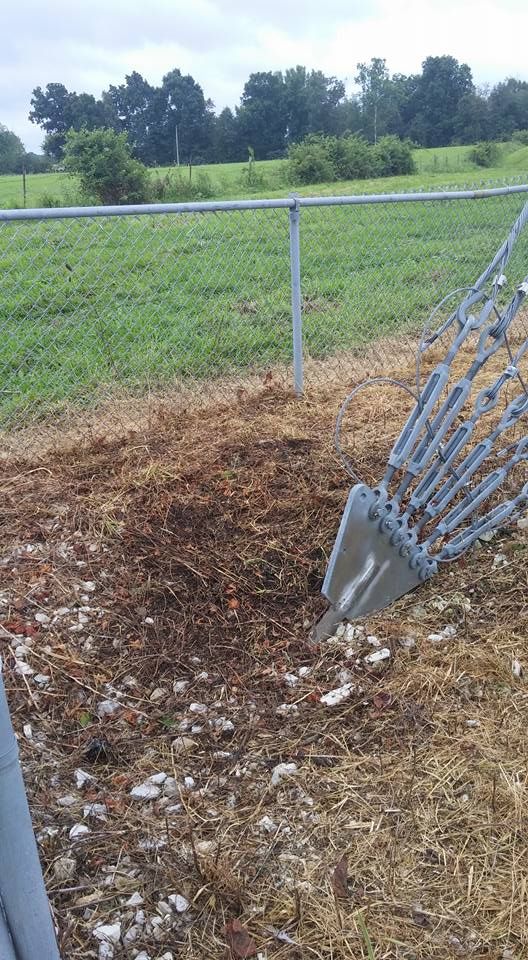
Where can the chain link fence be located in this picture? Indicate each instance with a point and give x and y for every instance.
(109, 315)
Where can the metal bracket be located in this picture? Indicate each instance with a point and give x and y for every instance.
(375, 560)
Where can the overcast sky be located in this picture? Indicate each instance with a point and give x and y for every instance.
(88, 45)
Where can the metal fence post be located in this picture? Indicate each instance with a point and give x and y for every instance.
(26, 927)
(296, 302)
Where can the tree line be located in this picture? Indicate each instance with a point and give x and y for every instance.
(438, 106)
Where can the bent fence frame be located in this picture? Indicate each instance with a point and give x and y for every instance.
(26, 929)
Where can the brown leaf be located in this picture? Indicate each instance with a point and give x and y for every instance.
(382, 700)
(239, 939)
(340, 878)
(14, 626)
(233, 604)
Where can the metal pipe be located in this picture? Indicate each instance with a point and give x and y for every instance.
(442, 195)
(22, 891)
(144, 209)
(296, 302)
(217, 206)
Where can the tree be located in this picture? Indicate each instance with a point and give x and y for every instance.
(11, 151)
(106, 170)
(310, 102)
(262, 115)
(347, 117)
(227, 146)
(57, 110)
(51, 108)
(434, 104)
(128, 108)
(36, 163)
(179, 108)
(373, 79)
(508, 108)
(471, 122)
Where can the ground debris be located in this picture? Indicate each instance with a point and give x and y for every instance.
(416, 779)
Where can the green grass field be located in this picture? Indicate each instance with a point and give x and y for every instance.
(89, 307)
(441, 166)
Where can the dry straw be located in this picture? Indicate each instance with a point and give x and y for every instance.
(199, 548)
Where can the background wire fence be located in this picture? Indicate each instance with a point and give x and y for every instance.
(104, 320)
(372, 274)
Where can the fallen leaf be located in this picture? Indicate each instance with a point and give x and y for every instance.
(14, 626)
(233, 604)
(239, 939)
(131, 716)
(314, 696)
(340, 878)
(382, 700)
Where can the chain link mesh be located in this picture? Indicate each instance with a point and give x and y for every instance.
(104, 321)
(372, 274)
(120, 313)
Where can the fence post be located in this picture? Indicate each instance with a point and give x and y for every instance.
(26, 927)
(296, 303)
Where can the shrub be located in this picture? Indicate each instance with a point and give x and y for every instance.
(521, 136)
(202, 186)
(351, 157)
(177, 187)
(252, 178)
(49, 200)
(393, 157)
(106, 170)
(309, 161)
(484, 154)
(317, 158)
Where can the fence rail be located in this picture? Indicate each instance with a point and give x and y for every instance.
(121, 309)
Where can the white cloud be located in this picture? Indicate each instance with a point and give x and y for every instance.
(89, 45)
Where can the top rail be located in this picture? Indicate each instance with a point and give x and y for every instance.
(217, 206)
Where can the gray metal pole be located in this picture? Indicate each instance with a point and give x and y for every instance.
(22, 891)
(296, 302)
(7, 950)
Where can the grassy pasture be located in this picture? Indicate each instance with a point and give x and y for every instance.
(434, 166)
(88, 306)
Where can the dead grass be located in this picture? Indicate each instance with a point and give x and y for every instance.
(199, 549)
(122, 415)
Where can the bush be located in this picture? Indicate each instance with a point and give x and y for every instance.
(309, 161)
(252, 178)
(179, 188)
(352, 157)
(485, 154)
(393, 157)
(521, 136)
(106, 170)
(318, 159)
(49, 200)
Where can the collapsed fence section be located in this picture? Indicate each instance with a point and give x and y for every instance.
(122, 310)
